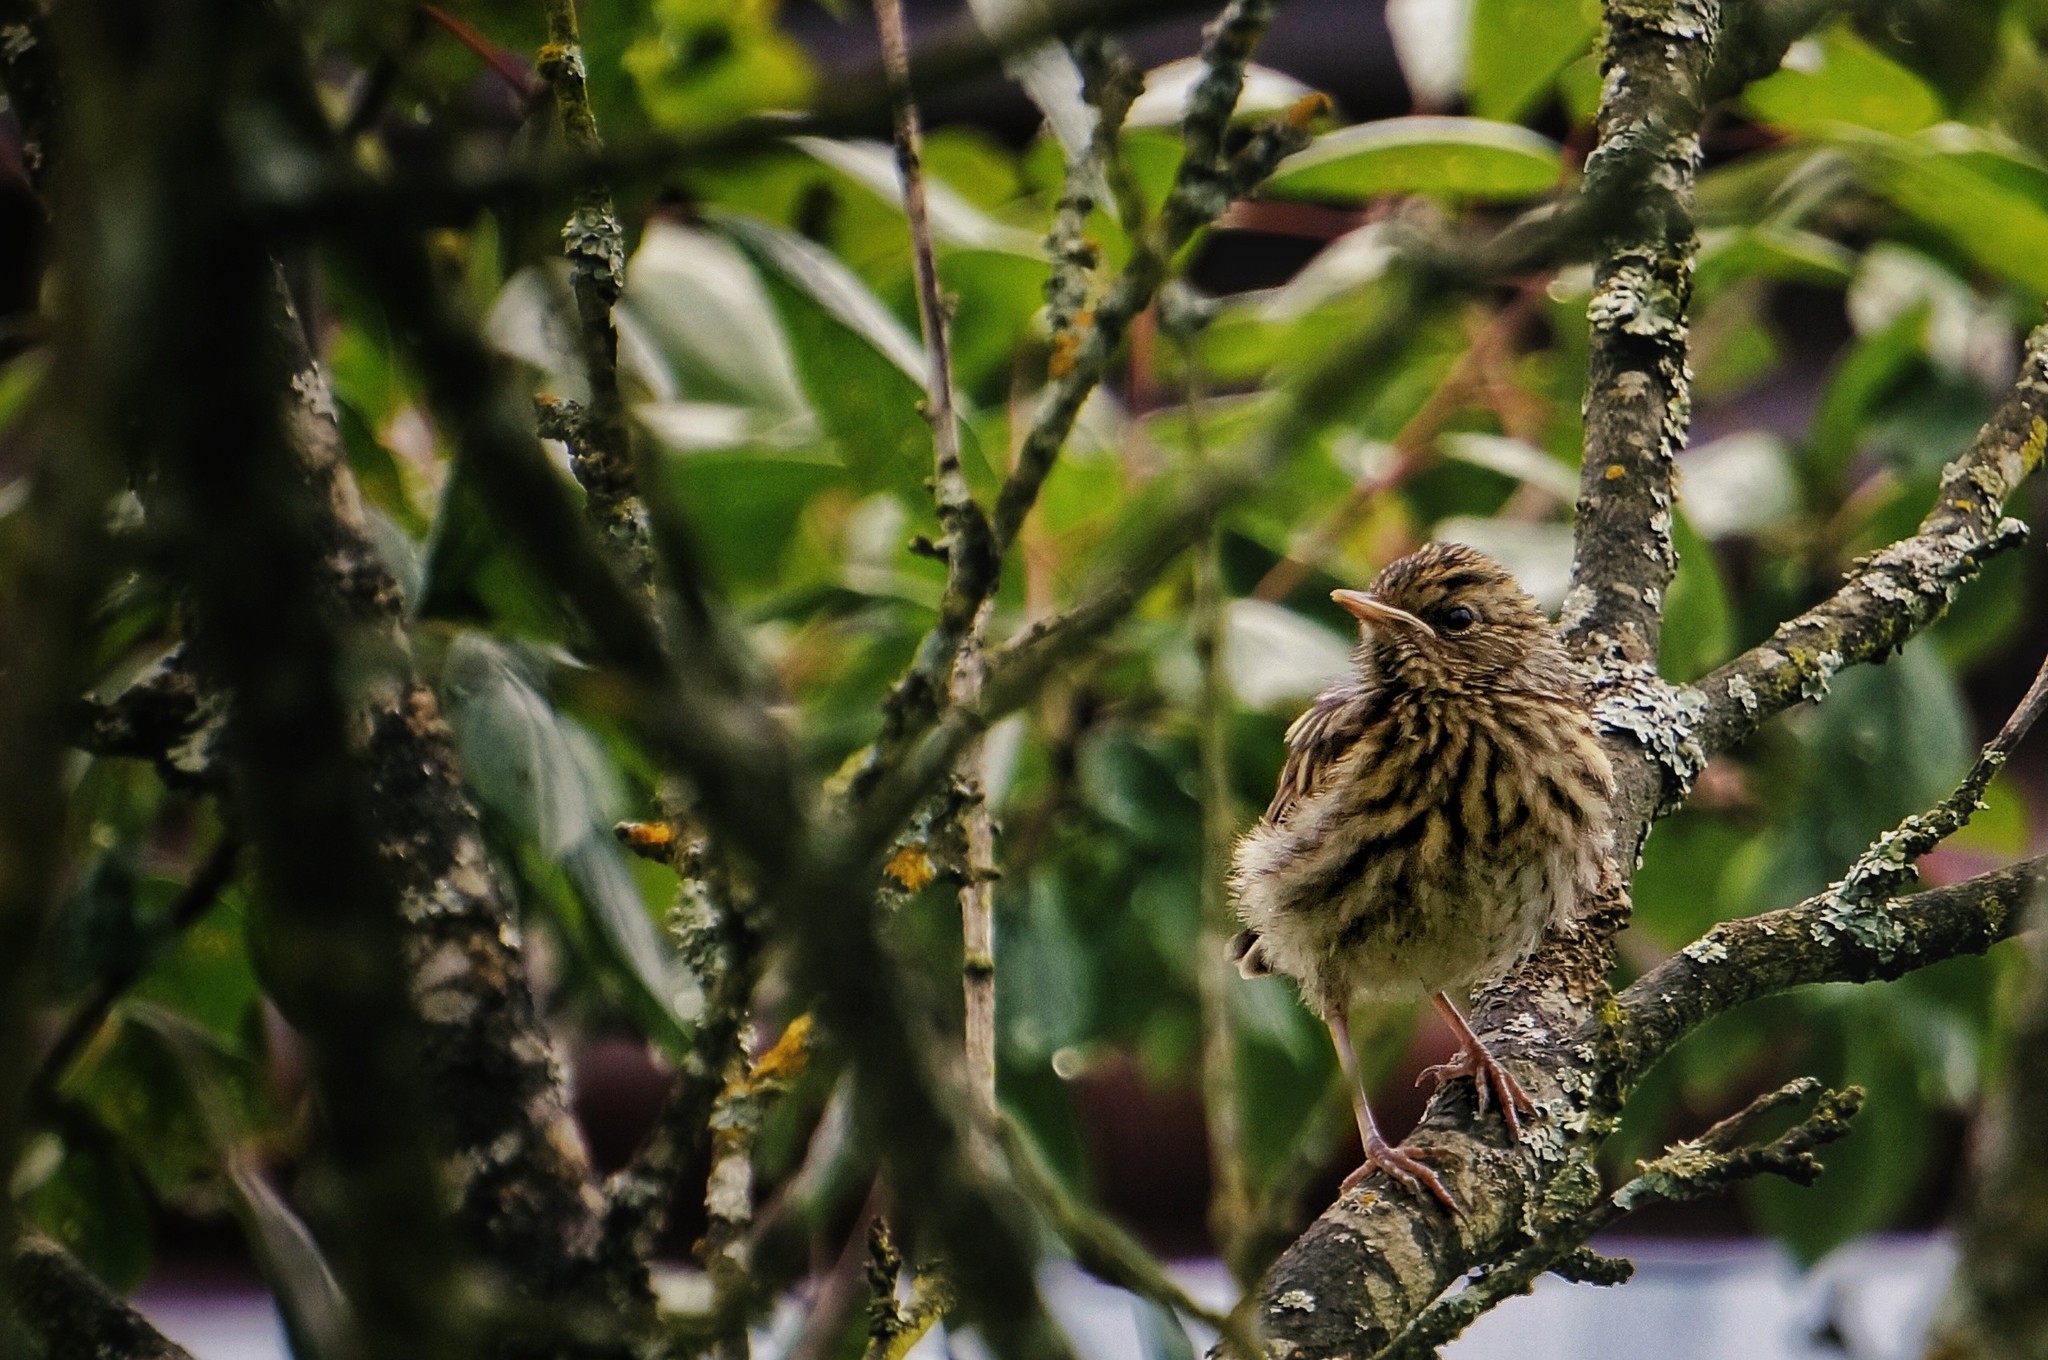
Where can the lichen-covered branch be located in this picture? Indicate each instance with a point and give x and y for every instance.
(972, 559)
(735, 1126)
(165, 715)
(1894, 593)
(1824, 939)
(1639, 381)
(895, 1328)
(1377, 1259)
(1696, 1168)
(722, 946)
(599, 441)
(1207, 182)
(1583, 1052)
(68, 1312)
(977, 888)
(1203, 188)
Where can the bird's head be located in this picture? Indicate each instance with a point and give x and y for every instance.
(1450, 617)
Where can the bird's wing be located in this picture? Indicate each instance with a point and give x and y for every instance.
(1317, 741)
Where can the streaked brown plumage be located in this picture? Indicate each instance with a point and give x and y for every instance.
(1437, 810)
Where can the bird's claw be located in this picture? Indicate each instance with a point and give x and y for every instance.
(1402, 1165)
(1492, 1080)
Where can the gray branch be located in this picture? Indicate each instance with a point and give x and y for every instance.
(68, 1312)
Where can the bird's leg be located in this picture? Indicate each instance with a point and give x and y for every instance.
(1404, 1166)
(1489, 1076)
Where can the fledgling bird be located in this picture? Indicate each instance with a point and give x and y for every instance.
(1437, 811)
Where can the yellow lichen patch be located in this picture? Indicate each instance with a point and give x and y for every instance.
(649, 840)
(1306, 110)
(1064, 347)
(1967, 507)
(785, 1060)
(1615, 472)
(2037, 441)
(910, 867)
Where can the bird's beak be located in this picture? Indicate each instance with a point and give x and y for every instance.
(1371, 612)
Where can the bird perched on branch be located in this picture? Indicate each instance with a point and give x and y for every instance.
(1437, 811)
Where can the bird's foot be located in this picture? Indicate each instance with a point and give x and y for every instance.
(1408, 1168)
(1491, 1078)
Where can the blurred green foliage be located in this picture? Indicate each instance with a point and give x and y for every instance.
(1874, 223)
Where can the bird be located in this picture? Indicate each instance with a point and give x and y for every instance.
(1439, 808)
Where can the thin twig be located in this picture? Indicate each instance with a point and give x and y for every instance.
(950, 656)
(735, 1124)
(1230, 1208)
(972, 558)
(977, 891)
(213, 874)
(594, 242)
(1710, 1164)
(1106, 1251)
(1207, 182)
(1893, 593)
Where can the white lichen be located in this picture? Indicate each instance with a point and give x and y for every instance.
(1295, 1301)
(1632, 699)
(1706, 949)
(1741, 692)
(1813, 685)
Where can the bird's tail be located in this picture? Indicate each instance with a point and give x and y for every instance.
(1248, 951)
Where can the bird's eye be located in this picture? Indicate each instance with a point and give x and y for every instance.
(1458, 620)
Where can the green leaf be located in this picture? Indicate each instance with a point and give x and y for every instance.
(1738, 484)
(1989, 223)
(820, 276)
(1160, 1334)
(1274, 655)
(473, 574)
(1126, 782)
(699, 304)
(1164, 102)
(1519, 47)
(745, 505)
(1875, 1171)
(862, 372)
(309, 1298)
(1889, 740)
(1859, 382)
(1779, 253)
(1838, 78)
(1455, 158)
(209, 978)
(710, 61)
(545, 776)
(1698, 623)
(954, 220)
(81, 1191)
(1043, 1003)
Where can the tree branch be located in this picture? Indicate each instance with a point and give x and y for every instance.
(1693, 1169)
(600, 443)
(1892, 594)
(1638, 387)
(1205, 185)
(58, 1302)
